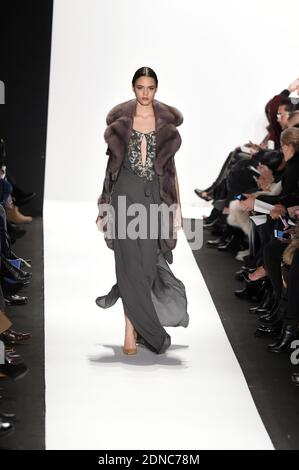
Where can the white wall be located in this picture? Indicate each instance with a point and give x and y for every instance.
(218, 62)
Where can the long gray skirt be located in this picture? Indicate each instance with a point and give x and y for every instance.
(152, 296)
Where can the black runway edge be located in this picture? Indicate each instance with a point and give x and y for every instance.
(268, 375)
(26, 396)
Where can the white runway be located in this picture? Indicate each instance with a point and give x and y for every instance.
(193, 397)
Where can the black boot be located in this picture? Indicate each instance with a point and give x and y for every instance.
(227, 243)
(270, 304)
(14, 372)
(276, 315)
(295, 378)
(6, 428)
(7, 416)
(289, 333)
(12, 288)
(252, 291)
(269, 331)
(239, 275)
(212, 219)
(234, 241)
(15, 232)
(218, 241)
(12, 272)
(19, 196)
(15, 300)
(267, 303)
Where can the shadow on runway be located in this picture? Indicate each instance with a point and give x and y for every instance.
(144, 357)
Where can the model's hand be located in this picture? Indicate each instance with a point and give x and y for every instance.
(99, 224)
(178, 219)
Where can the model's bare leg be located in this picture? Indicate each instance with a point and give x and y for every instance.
(130, 335)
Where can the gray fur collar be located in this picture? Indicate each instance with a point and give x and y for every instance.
(164, 113)
(119, 125)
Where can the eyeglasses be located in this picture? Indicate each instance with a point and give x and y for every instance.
(279, 115)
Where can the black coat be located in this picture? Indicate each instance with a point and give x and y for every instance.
(290, 185)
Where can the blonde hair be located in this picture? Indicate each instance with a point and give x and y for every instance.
(293, 246)
(290, 136)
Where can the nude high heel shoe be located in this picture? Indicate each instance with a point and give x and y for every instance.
(131, 351)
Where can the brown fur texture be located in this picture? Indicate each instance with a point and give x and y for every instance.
(119, 125)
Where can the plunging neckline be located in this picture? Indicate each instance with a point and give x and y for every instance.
(143, 133)
(143, 136)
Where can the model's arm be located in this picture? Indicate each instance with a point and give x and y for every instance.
(178, 216)
(177, 188)
(104, 197)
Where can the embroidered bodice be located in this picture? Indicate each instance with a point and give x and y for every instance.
(134, 155)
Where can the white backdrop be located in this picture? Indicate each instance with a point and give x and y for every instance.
(218, 62)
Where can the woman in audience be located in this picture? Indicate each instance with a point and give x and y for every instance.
(291, 277)
(277, 110)
(289, 190)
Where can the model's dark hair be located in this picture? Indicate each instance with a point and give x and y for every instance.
(145, 72)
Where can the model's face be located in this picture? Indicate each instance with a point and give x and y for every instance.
(288, 151)
(283, 116)
(145, 90)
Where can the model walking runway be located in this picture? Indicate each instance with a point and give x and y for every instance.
(192, 397)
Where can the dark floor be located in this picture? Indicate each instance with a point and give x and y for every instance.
(268, 375)
(26, 397)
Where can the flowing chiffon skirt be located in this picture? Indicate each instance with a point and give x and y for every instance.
(152, 296)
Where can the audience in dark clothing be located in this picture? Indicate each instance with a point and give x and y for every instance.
(13, 278)
(256, 216)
